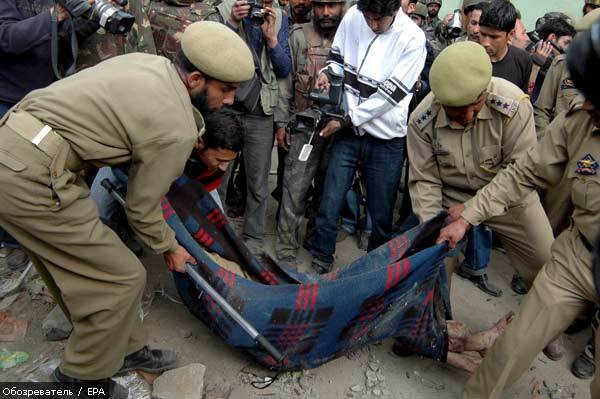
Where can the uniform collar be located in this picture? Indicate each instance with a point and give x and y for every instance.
(199, 121)
(443, 121)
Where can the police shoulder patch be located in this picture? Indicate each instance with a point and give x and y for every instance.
(424, 118)
(506, 106)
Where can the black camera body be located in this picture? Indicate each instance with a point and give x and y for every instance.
(256, 15)
(324, 106)
(111, 18)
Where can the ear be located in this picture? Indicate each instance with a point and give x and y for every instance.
(195, 80)
(511, 35)
(552, 37)
(199, 144)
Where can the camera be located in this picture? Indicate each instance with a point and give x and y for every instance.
(324, 106)
(111, 18)
(256, 15)
(455, 27)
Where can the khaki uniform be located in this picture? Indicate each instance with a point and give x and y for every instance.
(309, 52)
(449, 163)
(565, 286)
(555, 96)
(104, 116)
(558, 91)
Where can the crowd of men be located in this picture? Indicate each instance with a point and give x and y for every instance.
(366, 101)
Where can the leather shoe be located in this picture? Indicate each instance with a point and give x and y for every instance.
(555, 349)
(518, 285)
(321, 267)
(115, 391)
(482, 283)
(584, 367)
(153, 361)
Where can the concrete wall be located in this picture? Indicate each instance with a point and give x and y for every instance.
(530, 9)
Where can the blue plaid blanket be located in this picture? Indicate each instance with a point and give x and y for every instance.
(398, 290)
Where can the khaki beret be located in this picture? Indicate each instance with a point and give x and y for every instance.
(438, 2)
(460, 74)
(218, 52)
(588, 20)
(421, 10)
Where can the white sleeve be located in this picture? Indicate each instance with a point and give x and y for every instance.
(391, 91)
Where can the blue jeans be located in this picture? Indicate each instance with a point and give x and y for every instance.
(380, 162)
(108, 207)
(477, 251)
(351, 220)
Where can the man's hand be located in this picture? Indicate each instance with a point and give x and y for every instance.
(543, 50)
(330, 128)
(284, 138)
(268, 27)
(239, 11)
(322, 82)
(177, 259)
(454, 213)
(60, 12)
(454, 232)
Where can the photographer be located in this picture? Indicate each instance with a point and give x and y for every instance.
(25, 45)
(380, 53)
(265, 31)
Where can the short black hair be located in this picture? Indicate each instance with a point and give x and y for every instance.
(385, 8)
(186, 66)
(558, 26)
(470, 9)
(500, 15)
(223, 130)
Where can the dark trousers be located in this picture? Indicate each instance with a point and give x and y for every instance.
(5, 239)
(380, 162)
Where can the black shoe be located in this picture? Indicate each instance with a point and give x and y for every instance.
(401, 350)
(321, 267)
(583, 367)
(115, 391)
(154, 361)
(518, 285)
(482, 283)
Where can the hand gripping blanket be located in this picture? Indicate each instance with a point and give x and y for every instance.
(398, 290)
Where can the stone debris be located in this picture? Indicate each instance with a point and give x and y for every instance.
(56, 326)
(182, 383)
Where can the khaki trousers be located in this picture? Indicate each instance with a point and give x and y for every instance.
(526, 236)
(563, 289)
(97, 281)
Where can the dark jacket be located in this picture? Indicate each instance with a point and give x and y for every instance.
(25, 46)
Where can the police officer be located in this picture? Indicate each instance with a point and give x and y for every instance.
(468, 129)
(558, 89)
(556, 95)
(310, 44)
(137, 109)
(567, 283)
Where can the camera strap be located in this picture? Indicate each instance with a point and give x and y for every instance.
(55, 49)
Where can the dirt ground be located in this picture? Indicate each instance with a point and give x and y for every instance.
(371, 373)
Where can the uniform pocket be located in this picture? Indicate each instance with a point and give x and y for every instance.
(11, 162)
(490, 158)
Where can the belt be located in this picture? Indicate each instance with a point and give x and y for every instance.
(44, 138)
